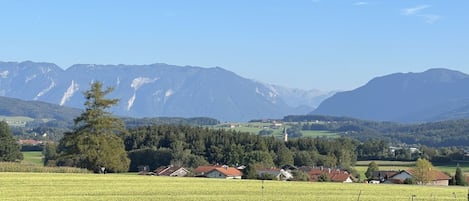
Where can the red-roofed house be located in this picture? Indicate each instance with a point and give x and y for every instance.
(225, 172)
(333, 175)
(218, 171)
(172, 171)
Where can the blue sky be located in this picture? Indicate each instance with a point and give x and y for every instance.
(308, 44)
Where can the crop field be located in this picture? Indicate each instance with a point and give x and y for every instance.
(48, 186)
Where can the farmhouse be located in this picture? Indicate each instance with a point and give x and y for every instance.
(172, 171)
(439, 178)
(382, 176)
(336, 175)
(279, 174)
(218, 171)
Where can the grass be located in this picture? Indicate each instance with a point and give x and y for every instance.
(32, 162)
(40, 186)
(32, 157)
(319, 134)
(361, 166)
(278, 132)
(16, 120)
(451, 167)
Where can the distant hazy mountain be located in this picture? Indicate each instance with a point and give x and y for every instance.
(155, 90)
(436, 94)
(299, 97)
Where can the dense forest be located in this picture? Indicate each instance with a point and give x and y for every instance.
(193, 146)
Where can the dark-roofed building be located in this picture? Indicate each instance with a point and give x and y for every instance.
(439, 178)
(172, 171)
(381, 176)
(279, 174)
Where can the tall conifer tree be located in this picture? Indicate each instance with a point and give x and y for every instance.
(95, 142)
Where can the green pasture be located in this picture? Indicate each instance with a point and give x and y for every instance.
(47, 186)
(256, 127)
(16, 120)
(32, 157)
(319, 134)
(361, 166)
(451, 167)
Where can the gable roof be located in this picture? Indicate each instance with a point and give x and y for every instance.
(205, 169)
(383, 174)
(334, 175)
(168, 170)
(228, 171)
(438, 175)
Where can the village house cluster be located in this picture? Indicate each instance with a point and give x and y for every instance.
(315, 174)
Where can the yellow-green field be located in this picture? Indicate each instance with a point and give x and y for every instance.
(43, 186)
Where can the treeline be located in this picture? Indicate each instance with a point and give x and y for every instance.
(195, 121)
(53, 130)
(190, 146)
(434, 134)
(193, 146)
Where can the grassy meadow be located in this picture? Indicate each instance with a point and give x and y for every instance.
(49, 186)
(278, 131)
(16, 120)
(32, 157)
(361, 166)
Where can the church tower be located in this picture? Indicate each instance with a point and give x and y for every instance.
(285, 134)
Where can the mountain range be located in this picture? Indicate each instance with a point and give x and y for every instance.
(433, 95)
(158, 90)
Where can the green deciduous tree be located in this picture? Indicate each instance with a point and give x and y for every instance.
(372, 166)
(423, 171)
(95, 141)
(9, 149)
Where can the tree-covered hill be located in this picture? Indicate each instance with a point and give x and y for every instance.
(434, 134)
(36, 109)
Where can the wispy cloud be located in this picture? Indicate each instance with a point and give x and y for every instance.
(360, 3)
(414, 10)
(430, 18)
